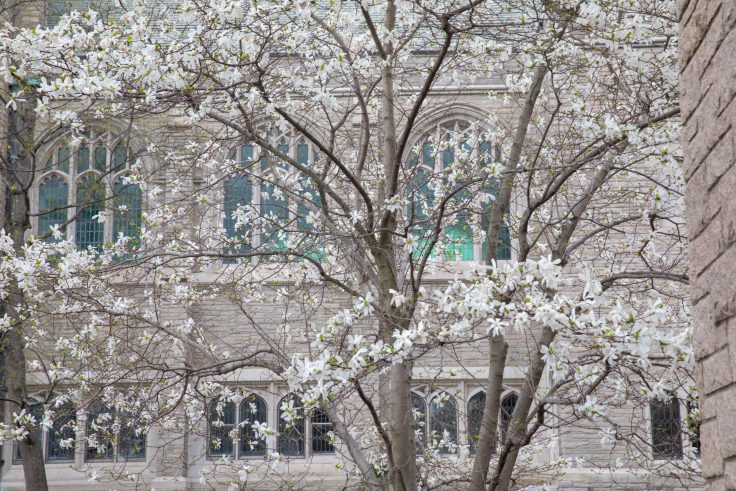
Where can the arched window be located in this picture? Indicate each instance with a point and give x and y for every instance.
(291, 427)
(252, 412)
(508, 404)
(443, 419)
(445, 147)
(666, 429)
(100, 437)
(476, 404)
(259, 186)
(321, 429)
(53, 200)
(62, 434)
(95, 171)
(221, 418)
(419, 410)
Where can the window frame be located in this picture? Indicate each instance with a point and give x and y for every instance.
(72, 177)
(116, 443)
(686, 446)
(439, 132)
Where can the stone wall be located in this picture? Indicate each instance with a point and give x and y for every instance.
(708, 64)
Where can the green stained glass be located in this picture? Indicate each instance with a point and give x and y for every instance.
(274, 207)
(101, 159)
(119, 157)
(310, 244)
(62, 159)
(89, 231)
(82, 159)
(128, 212)
(503, 246)
(238, 192)
(421, 198)
(53, 196)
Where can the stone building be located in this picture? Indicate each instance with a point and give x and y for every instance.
(448, 390)
(708, 111)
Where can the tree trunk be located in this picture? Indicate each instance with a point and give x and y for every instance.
(17, 172)
(489, 423)
(403, 446)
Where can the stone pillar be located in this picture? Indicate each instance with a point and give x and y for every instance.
(708, 90)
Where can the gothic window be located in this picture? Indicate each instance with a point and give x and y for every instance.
(258, 188)
(419, 411)
(321, 429)
(252, 412)
(443, 419)
(475, 416)
(291, 427)
(666, 434)
(61, 436)
(448, 145)
(221, 417)
(508, 404)
(82, 184)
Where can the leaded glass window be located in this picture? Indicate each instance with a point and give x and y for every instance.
(666, 433)
(448, 145)
(53, 197)
(100, 434)
(221, 417)
(128, 212)
(258, 186)
(90, 178)
(61, 436)
(321, 432)
(90, 232)
(131, 443)
(443, 419)
(475, 417)
(419, 411)
(291, 427)
(252, 412)
(508, 405)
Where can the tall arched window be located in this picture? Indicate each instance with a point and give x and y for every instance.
(447, 146)
(61, 438)
(443, 419)
(508, 404)
(252, 412)
(258, 186)
(291, 427)
(321, 428)
(666, 429)
(476, 404)
(419, 410)
(221, 418)
(91, 179)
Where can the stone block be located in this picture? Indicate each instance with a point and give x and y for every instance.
(716, 371)
(712, 463)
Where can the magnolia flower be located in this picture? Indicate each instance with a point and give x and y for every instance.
(397, 299)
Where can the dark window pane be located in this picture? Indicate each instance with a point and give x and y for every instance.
(60, 447)
(101, 158)
(443, 419)
(128, 212)
(475, 417)
(100, 436)
(119, 157)
(666, 438)
(419, 410)
(252, 411)
(321, 427)
(62, 159)
(131, 440)
(291, 431)
(222, 422)
(53, 197)
(82, 160)
(89, 231)
(508, 404)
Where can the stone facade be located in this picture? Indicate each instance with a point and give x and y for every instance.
(708, 65)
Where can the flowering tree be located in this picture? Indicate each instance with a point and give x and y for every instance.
(324, 153)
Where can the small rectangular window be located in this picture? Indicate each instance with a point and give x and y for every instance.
(666, 430)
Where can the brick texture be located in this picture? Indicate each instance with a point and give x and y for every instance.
(708, 66)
